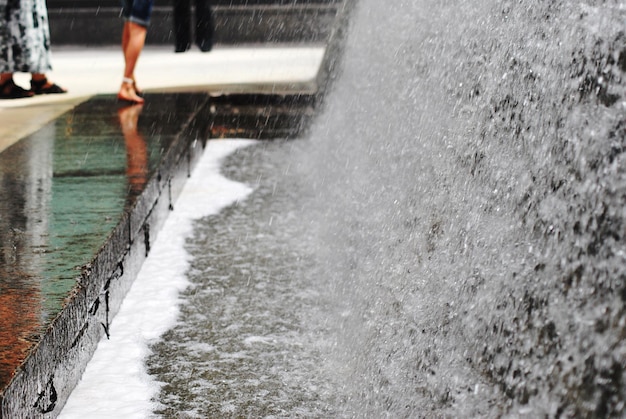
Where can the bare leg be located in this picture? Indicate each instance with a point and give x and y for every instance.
(133, 40)
(125, 38)
(125, 44)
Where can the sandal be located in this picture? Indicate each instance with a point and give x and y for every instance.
(10, 90)
(38, 87)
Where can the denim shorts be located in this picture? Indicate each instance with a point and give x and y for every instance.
(137, 11)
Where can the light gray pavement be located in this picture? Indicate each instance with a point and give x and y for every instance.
(90, 71)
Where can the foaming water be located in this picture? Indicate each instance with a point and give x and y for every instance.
(249, 340)
(116, 383)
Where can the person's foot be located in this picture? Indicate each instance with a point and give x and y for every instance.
(137, 90)
(45, 87)
(10, 90)
(205, 45)
(182, 46)
(128, 93)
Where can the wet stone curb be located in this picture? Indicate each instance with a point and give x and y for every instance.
(42, 383)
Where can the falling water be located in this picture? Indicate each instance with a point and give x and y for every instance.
(446, 240)
(473, 191)
(470, 166)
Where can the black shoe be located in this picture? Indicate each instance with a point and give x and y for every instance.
(10, 90)
(182, 46)
(38, 88)
(205, 45)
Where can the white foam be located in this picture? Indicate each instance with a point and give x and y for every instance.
(116, 383)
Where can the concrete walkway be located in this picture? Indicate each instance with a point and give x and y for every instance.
(87, 72)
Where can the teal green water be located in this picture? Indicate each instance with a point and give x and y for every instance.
(64, 189)
(90, 190)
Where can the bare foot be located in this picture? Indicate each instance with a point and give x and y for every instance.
(127, 93)
(137, 89)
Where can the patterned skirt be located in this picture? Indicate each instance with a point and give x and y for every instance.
(24, 36)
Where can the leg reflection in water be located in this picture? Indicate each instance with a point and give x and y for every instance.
(136, 151)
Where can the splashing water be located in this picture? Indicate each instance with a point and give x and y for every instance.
(473, 192)
(448, 239)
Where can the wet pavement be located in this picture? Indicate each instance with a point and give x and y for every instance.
(87, 72)
(83, 194)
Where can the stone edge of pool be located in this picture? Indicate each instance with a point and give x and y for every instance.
(42, 384)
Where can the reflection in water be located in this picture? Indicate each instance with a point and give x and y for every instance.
(25, 182)
(136, 151)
